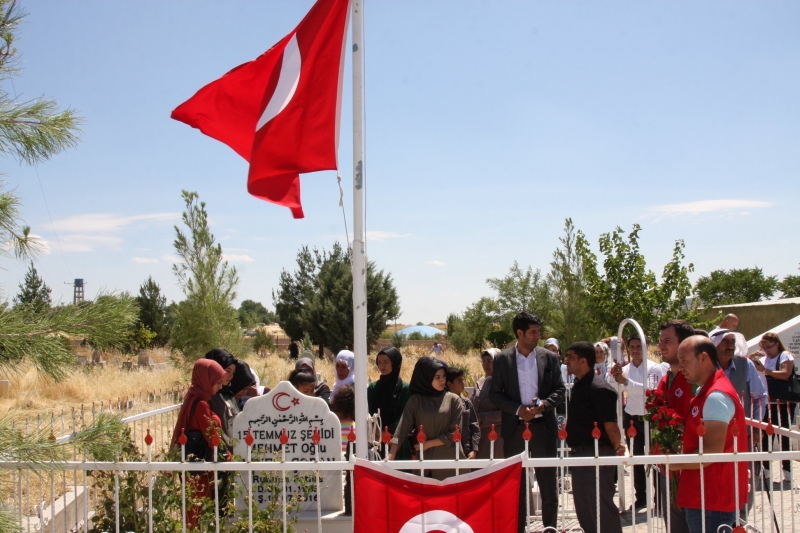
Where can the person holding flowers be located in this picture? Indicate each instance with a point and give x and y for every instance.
(676, 393)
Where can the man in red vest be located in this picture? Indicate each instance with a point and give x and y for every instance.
(679, 394)
(716, 406)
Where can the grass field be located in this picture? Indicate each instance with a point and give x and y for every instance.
(31, 394)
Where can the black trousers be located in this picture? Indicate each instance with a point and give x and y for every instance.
(784, 415)
(542, 444)
(639, 476)
(584, 492)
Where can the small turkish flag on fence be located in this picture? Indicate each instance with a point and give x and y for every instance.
(485, 501)
(281, 111)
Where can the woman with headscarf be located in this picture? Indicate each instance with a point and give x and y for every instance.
(224, 403)
(321, 389)
(345, 360)
(602, 357)
(436, 410)
(487, 412)
(389, 395)
(196, 415)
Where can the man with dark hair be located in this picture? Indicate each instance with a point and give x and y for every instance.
(636, 377)
(718, 409)
(678, 393)
(592, 403)
(527, 387)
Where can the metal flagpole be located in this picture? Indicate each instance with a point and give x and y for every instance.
(358, 251)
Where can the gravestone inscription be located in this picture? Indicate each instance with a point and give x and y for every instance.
(284, 407)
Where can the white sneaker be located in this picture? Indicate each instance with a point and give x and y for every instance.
(787, 475)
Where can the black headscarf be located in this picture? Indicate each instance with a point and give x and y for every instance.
(222, 356)
(242, 378)
(225, 359)
(388, 388)
(422, 377)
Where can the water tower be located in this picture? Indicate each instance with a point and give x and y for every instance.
(77, 290)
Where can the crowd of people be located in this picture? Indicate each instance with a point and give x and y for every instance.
(537, 387)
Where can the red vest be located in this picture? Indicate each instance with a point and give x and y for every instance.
(679, 395)
(718, 477)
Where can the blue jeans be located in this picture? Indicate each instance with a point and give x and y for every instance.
(714, 519)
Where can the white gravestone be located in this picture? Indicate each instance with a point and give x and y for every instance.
(284, 407)
(788, 333)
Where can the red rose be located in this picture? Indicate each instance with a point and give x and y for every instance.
(673, 422)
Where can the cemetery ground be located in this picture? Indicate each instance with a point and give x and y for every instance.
(30, 394)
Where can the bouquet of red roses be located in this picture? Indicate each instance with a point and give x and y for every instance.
(666, 431)
(666, 425)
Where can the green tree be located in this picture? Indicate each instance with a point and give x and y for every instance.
(252, 314)
(33, 294)
(626, 288)
(33, 131)
(263, 341)
(520, 290)
(153, 311)
(206, 319)
(294, 290)
(328, 314)
(318, 299)
(569, 320)
(735, 286)
(790, 286)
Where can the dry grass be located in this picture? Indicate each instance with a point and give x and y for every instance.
(31, 394)
(277, 367)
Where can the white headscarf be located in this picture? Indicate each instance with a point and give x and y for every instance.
(349, 358)
(601, 368)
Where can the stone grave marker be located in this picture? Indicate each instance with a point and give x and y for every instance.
(284, 407)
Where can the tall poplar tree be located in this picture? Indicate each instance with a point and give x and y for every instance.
(206, 319)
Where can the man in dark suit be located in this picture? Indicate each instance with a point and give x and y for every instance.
(527, 387)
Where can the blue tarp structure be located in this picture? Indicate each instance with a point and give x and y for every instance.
(424, 330)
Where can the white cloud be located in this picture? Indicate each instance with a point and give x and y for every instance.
(88, 243)
(238, 258)
(87, 232)
(145, 260)
(384, 235)
(107, 223)
(171, 259)
(709, 206)
(435, 262)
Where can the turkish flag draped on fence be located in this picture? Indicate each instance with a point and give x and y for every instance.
(486, 501)
(281, 111)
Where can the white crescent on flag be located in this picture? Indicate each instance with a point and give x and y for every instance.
(436, 521)
(287, 82)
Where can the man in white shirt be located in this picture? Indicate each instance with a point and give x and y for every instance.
(637, 376)
(527, 387)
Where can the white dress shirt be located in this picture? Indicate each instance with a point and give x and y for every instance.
(634, 386)
(528, 377)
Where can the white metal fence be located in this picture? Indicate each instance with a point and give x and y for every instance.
(772, 506)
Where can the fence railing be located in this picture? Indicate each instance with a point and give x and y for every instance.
(108, 488)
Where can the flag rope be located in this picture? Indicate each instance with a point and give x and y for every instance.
(341, 204)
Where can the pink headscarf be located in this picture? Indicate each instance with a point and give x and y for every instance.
(205, 374)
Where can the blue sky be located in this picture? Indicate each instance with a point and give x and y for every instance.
(487, 125)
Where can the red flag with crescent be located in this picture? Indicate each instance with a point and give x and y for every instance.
(281, 111)
(485, 501)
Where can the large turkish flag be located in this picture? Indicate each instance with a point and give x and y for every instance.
(486, 501)
(281, 111)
